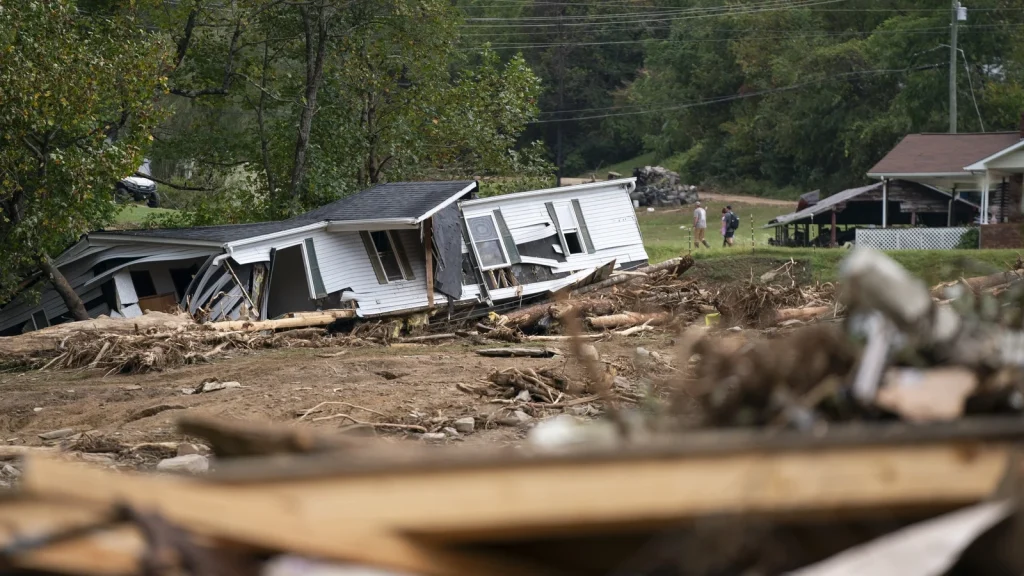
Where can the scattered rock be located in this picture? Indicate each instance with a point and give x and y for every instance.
(131, 388)
(523, 396)
(57, 434)
(37, 409)
(389, 375)
(433, 437)
(465, 425)
(10, 471)
(658, 186)
(518, 418)
(190, 464)
(449, 431)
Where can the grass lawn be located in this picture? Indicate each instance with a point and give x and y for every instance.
(625, 167)
(137, 213)
(663, 240)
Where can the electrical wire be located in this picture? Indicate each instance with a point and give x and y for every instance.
(733, 97)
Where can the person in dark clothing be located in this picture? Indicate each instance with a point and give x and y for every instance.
(732, 222)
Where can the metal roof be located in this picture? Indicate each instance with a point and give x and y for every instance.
(940, 154)
(826, 204)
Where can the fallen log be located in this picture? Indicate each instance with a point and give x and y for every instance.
(627, 319)
(979, 283)
(518, 352)
(322, 318)
(428, 338)
(232, 438)
(679, 265)
(800, 313)
(592, 307)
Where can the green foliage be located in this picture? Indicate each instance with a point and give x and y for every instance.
(813, 97)
(280, 107)
(971, 240)
(77, 105)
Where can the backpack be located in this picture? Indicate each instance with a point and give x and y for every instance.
(734, 221)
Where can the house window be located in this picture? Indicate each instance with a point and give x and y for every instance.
(570, 229)
(39, 319)
(486, 242)
(385, 247)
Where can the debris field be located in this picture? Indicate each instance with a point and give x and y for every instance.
(651, 423)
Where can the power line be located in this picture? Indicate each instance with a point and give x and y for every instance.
(518, 46)
(734, 97)
(771, 6)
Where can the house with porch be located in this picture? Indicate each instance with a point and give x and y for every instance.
(987, 169)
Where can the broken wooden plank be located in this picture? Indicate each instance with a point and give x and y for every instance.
(518, 352)
(679, 265)
(264, 523)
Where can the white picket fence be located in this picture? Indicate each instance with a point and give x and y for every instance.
(910, 238)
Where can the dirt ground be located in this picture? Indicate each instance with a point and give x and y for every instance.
(404, 384)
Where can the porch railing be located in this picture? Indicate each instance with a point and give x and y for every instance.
(910, 238)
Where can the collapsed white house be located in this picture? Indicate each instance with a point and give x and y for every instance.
(394, 248)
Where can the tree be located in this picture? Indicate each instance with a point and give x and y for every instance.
(290, 105)
(77, 103)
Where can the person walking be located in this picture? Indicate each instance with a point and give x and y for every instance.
(700, 226)
(732, 222)
(725, 216)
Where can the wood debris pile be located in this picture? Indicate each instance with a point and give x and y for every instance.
(902, 352)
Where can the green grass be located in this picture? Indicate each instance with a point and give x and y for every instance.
(137, 213)
(663, 240)
(625, 167)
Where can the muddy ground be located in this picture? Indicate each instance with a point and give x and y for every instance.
(278, 384)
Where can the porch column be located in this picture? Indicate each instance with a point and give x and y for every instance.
(885, 202)
(984, 200)
(913, 218)
(949, 211)
(833, 228)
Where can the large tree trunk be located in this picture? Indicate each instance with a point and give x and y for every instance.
(316, 53)
(60, 284)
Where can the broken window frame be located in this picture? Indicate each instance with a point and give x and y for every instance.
(392, 241)
(564, 231)
(497, 237)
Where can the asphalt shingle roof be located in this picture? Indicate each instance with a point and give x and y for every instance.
(225, 233)
(942, 153)
(384, 201)
(387, 201)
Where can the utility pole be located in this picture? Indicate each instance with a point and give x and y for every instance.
(954, 20)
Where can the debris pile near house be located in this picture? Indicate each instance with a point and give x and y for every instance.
(657, 186)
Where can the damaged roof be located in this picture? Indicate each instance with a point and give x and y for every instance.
(213, 234)
(396, 200)
(940, 154)
(393, 201)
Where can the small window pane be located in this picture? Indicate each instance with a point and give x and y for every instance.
(388, 259)
(572, 242)
(482, 228)
(566, 220)
(490, 253)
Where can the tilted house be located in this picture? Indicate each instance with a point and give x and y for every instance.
(375, 253)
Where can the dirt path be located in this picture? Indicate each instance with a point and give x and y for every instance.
(756, 200)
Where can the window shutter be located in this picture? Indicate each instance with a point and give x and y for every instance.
(506, 238)
(371, 253)
(584, 231)
(403, 260)
(314, 269)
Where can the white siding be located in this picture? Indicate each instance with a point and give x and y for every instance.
(607, 212)
(345, 264)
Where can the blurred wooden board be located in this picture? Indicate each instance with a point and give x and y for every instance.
(403, 514)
